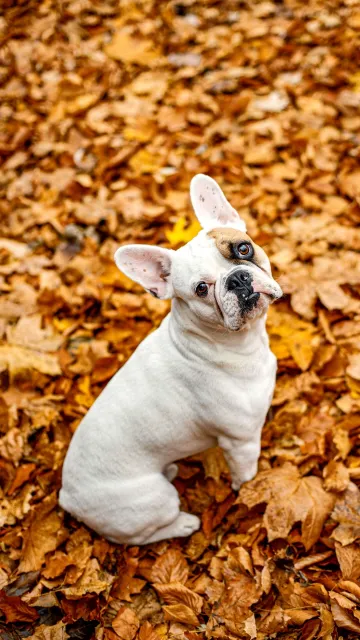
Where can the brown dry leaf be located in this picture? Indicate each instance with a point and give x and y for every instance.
(349, 560)
(180, 613)
(92, 580)
(44, 534)
(344, 618)
(15, 609)
(54, 632)
(170, 567)
(214, 463)
(346, 513)
(289, 499)
(175, 592)
(336, 476)
(100, 141)
(125, 624)
(147, 632)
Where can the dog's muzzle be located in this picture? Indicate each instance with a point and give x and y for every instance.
(240, 283)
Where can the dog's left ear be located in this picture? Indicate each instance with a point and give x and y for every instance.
(147, 265)
(210, 205)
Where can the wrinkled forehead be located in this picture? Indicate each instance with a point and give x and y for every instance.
(212, 251)
(226, 238)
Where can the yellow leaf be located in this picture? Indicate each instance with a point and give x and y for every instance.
(140, 134)
(145, 162)
(126, 48)
(354, 386)
(181, 234)
(290, 336)
(62, 324)
(355, 81)
(85, 398)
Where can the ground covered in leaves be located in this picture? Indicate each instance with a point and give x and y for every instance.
(107, 111)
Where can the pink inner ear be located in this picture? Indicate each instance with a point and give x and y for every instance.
(149, 266)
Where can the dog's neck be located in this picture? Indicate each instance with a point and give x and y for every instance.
(193, 338)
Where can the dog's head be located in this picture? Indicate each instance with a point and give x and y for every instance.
(222, 275)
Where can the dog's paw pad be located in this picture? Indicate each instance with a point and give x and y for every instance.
(187, 524)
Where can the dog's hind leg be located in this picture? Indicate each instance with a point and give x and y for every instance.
(184, 525)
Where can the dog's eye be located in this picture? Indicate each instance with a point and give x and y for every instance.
(244, 250)
(202, 289)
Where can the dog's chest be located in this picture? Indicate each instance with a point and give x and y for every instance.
(240, 397)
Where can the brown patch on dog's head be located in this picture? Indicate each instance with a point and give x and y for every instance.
(226, 240)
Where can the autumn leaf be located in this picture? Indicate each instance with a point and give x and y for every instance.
(42, 535)
(129, 49)
(17, 359)
(147, 632)
(175, 592)
(182, 232)
(15, 609)
(289, 499)
(100, 142)
(170, 567)
(53, 632)
(346, 513)
(125, 624)
(180, 613)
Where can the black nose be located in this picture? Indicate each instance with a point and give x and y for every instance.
(239, 280)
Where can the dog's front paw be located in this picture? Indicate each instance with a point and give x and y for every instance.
(235, 485)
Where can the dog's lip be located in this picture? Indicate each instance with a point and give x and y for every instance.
(218, 305)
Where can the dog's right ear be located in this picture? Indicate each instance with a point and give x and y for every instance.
(149, 266)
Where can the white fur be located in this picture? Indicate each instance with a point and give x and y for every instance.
(205, 377)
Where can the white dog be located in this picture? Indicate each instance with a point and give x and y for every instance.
(205, 377)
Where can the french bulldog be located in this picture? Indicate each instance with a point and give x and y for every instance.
(205, 377)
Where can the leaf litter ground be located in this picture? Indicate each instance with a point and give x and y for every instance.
(107, 111)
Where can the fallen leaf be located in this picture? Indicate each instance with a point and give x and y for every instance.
(17, 359)
(336, 476)
(180, 613)
(289, 499)
(349, 560)
(15, 610)
(170, 567)
(125, 624)
(42, 535)
(129, 49)
(346, 513)
(182, 232)
(175, 592)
